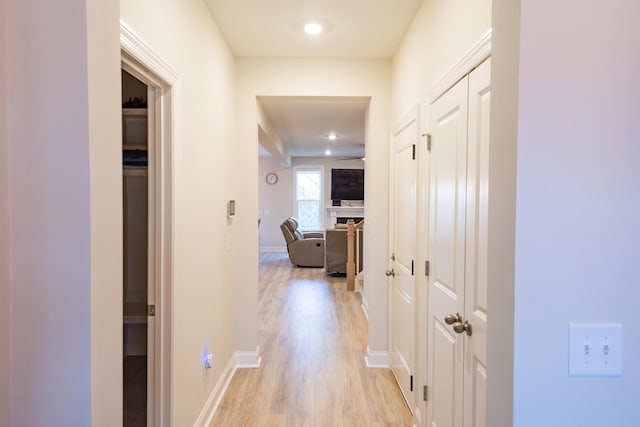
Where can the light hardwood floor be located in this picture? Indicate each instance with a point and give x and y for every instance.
(313, 337)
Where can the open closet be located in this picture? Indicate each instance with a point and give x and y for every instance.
(136, 250)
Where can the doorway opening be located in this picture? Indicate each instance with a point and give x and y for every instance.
(310, 136)
(137, 289)
(147, 147)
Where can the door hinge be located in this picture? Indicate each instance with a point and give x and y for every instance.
(151, 310)
(429, 142)
(412, 267)
(393, 256)
(425, 395)
(411, 383)
(426, 268)
(413, 152)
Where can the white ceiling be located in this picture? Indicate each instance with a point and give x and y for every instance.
(304, 124)
(353, 29)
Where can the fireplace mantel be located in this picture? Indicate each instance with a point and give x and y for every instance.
(336, 212)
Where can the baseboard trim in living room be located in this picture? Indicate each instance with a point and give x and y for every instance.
(365, 308)
(376, 359)
(276, 249)
(209, 410)
(248, 359)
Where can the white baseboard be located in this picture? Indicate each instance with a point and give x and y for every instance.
(417, 417)
(376, 359)
(240, 359)
(365, 308)
(211, 406)
(248, 359)
(277, 249)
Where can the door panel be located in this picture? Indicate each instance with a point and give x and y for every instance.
(476, 403)
(446, 352)
(476, 245)
(447, 248)
(403, 245)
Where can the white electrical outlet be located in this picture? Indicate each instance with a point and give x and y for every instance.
(595, 349)
(208, 360)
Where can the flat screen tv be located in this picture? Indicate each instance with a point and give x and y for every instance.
(347, 184)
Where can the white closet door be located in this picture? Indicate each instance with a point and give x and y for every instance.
(458, 225)
(475, 358)
(403, 285)
(447, 249)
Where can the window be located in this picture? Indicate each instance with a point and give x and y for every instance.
(308, 196)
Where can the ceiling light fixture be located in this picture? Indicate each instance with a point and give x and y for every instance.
(327, 153)
(332, 136)
(313, 28)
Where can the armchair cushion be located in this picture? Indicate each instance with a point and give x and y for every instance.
(313, 234)
(307, 252)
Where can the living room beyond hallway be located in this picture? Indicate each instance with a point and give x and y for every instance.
(313, 337)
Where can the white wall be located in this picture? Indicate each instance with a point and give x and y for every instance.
(502, 182)
(312, 77)
(105, 172)
(577, 232)
(277, 201)
(441, 33)
(54, 202)
(5, 317)
(65, 207)
(185, 36)
(269, 139)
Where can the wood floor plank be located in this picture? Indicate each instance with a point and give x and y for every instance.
(313, 337)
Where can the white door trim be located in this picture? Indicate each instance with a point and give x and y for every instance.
(474, 57)
(140, 61)
(133, 45)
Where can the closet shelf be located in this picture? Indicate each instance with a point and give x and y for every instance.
(134, 112)
(135, 313)
(135, 171)
(142, 147)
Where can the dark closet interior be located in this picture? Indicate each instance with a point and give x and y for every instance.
(135, 190)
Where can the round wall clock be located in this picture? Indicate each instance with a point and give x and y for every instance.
(271, 178)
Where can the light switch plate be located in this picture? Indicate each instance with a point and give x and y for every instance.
(595, 349)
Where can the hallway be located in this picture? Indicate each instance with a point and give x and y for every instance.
(313, 336)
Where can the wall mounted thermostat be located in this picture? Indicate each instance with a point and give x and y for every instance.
(231, 208)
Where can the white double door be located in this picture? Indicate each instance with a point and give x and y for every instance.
(457, 308)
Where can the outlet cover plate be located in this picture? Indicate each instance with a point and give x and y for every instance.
(595, 349)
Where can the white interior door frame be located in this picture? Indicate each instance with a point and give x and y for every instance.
(141, 62)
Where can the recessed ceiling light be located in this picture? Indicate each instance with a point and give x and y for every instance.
(332, 136)
(313, 28)
(327, 153)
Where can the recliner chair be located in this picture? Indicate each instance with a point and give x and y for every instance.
(305, 249)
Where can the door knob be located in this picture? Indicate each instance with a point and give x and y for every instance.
(450, 319)
(460, 327)
(390, 273)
